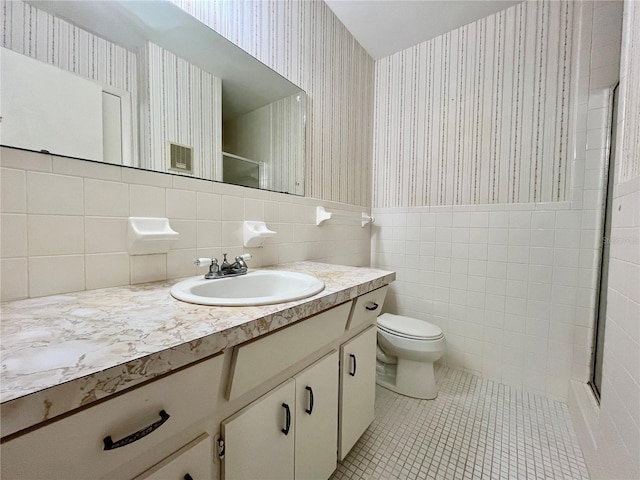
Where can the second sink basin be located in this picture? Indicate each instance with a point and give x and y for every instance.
(258, 287)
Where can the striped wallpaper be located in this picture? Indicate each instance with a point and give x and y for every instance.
(35, 33)
(307, 44)
(180, 103)
(630, 79)
(479, 115)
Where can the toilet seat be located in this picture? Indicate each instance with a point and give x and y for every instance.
(410, 328)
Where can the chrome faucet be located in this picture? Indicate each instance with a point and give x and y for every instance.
(238, 267)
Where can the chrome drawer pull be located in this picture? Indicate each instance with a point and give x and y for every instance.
(109, 444)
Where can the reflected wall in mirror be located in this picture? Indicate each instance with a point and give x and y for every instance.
(146, 85)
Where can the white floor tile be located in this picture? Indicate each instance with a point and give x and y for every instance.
(474, 429)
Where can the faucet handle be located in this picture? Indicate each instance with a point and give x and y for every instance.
(204, 262)
(240, 259)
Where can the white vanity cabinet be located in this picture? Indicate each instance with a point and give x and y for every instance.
(295, 401)
(133, 423)
(291, 432)
(300, 428)
(357, 388)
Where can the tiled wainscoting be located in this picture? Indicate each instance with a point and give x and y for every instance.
(474, 429)
(512, 287)
(64, 225)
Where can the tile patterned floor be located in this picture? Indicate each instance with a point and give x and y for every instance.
(475, 429)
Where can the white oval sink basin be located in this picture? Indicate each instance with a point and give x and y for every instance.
(258, 287)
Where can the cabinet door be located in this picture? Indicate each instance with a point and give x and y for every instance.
(259, 441)
(317, 419)
(193, 460)
(357, 388)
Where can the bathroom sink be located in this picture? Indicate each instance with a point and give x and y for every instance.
(258, 287)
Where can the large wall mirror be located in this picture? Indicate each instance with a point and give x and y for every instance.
(146, 85)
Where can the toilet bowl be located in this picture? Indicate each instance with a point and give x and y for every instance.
(407, 348)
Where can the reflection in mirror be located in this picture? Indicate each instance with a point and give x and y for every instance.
(144, 84)
(241, 171)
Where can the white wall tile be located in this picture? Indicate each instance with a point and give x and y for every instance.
(565, 257)
(543, 220)
(253, 209)
(519, 219)
(208, 206)
(498, 236)
(24, 159)
(461, 219)
(519, 236)
(106, 270)
(14, 279)
(231, 235)
(498, 220)
(180, 264)
(542, 238)
(57, 274)
(479, 219)
(232, 208)
(55, 235)
(147, 178)
(147, 201)
(568, 219)
(181, 182)
(147, 268)
(497, 253)
(13, 235)
(518, 254)
(181, 204)
(71, 166)
(54, 194)
(478, 235)
(188, 234)
(478, 252)
(106, 199)
(105, 234)
(13, 190)
(209, 234)
(569, 239)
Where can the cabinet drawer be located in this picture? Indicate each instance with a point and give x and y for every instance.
(186, 396)
(194, 459)
(367, 308)
(258, 361)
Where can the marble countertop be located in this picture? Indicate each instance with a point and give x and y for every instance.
(66, 351)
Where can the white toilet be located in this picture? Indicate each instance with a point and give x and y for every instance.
(407, 348)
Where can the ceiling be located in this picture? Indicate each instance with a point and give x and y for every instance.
(384, 27)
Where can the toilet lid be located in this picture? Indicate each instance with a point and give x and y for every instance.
(408, 327)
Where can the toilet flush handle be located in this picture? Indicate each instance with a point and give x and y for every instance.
(371, 306)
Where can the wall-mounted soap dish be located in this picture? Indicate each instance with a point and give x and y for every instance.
(255, 233)
(149, 235)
